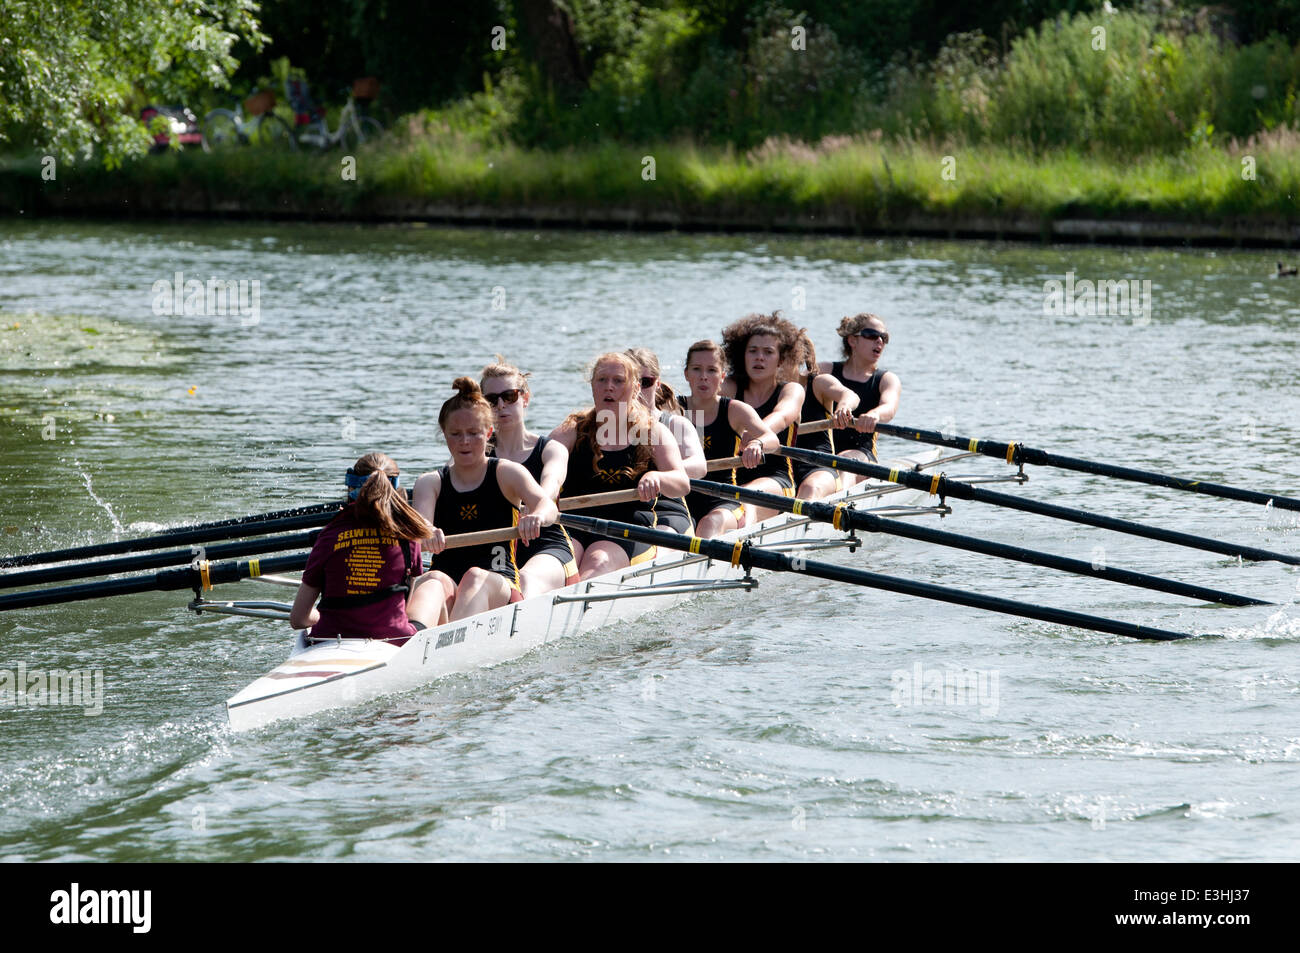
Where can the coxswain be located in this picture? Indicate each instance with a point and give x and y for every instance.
(728, 428)
(364, 561)
(863, 338)
(618, 445)
(471, 493)
(762, 351)
(550, 561)
(658, 395)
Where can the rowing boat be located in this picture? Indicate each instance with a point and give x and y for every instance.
(349, 671)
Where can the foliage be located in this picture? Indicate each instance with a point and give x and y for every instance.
(74, 75)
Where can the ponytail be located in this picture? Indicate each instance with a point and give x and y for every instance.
(380, 503)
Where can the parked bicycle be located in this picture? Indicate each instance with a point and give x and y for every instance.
(354, 126)
(227, 129)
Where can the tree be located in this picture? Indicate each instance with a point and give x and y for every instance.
(73, 73)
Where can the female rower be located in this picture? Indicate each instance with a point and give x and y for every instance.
(550, 559)
(617, 445)
(825, 398)
(864, 338)
(476, 492)
(660, 399)
(762, 350)
(364, 561)
(728, 427)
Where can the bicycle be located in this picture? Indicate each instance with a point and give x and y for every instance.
(225, 129)
(354, 128)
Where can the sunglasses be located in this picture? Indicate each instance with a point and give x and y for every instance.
(647, 381)
(509, 396)
(872, 334)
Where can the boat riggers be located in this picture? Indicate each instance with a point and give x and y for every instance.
(744, 554)
(203, 577)
(845, 517)
(1018, 453)
(941, 486)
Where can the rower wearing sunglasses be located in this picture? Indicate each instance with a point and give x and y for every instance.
(550, 561)
(864, 337)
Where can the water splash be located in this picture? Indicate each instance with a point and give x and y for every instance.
(85, 477)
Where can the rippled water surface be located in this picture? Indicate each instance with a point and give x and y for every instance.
(801, 721)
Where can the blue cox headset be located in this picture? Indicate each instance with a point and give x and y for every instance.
(355, 481)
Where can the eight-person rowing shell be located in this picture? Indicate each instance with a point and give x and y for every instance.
(471, 493)
(618, 445)
(729, 428)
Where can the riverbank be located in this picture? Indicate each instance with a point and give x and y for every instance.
(1244, 195)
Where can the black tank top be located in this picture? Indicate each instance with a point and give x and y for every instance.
(772, 465)
(550, 534)
(483, 507)
(868, 392)
(616, 472)
(814, 409)
(718, 438)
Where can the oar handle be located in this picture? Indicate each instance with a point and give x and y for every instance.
(725, 463)
(598, 499)
(482, 536)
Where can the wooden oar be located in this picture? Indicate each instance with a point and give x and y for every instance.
(943, 487)
(1018, 453)
(743, 553)
(844, 517)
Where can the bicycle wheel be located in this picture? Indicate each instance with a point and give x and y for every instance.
(361, 129)
(220, 131)
(271, 132)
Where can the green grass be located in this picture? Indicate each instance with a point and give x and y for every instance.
(873, 180)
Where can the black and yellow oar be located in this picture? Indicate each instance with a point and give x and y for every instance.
(940, 485)
(175, 557)
(238, 528)
(744, 554)
(845, 517)
(1018, 453)
(204, 577)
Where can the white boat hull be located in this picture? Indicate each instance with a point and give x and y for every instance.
(347, 672)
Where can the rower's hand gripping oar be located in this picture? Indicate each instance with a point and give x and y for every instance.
(1018, 453)
(845, 517)
(943, 487)
(743, 553)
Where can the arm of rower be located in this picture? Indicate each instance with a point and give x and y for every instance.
(565, 435)
(519, 486)
(745, 421)
(891, 390)
(424, 497)
(555, 467)
(787, 409)
(831, 392)
(304, 613)
(673, 480)
(692, 450)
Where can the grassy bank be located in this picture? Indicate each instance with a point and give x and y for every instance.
(855, 181)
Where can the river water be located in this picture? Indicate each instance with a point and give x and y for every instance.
(801, 721)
